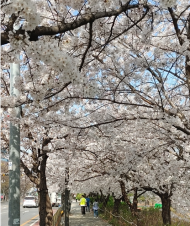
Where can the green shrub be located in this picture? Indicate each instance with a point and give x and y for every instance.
(146, 217)
(92, 199)
(110, 202)
(79, 196)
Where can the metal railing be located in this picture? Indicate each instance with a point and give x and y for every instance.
(57, 217)
(120, 217)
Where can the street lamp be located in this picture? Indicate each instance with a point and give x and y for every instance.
(14, 153)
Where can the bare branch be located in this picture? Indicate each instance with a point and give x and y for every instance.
(29, 173)
(88, 47)
(88, 178)
(64, 27)
(177, 30)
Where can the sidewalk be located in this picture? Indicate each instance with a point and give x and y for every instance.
(76, 218)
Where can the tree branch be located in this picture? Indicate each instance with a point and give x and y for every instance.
(88, 178)
(176, 27)
(64, 27)
(88, 47)
(29, 173)
(53, 94)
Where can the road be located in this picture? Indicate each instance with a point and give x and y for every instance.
(28, 216)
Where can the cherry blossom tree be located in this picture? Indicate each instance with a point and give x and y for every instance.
(90, 67)
(151, 74)
(148, 161)
(4, 179)
(50, 36)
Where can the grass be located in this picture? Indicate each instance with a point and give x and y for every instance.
(147, 217)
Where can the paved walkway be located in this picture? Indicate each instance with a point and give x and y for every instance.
(76, 218)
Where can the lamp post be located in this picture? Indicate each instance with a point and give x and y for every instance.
(14, 155)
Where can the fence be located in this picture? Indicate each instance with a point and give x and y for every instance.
(114, 216)
(57, 217)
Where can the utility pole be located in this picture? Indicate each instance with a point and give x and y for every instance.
(67, 193)
(14, 155)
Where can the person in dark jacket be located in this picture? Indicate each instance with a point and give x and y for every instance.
(87, 204)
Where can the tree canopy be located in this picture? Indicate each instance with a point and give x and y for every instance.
(104, 90)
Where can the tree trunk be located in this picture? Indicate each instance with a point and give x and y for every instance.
(97, 197)
(116, 206)
(106, 200)
(101, 196)
(45, 209)
(135, 202)
(63, 200)
(67, 207)
(187, 66)
(166, 204)
(103, 199)
(124, 195)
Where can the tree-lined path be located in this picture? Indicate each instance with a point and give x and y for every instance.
(76, 218)
(95, 98)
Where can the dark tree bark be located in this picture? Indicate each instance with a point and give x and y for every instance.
(63, 200)
(166, 204)
(135, 202)
(101, 196)
(45, 209)
(134, 205)
(116, 206)
(97, 197)
(64, 27)
(124, 196)
(104, 199)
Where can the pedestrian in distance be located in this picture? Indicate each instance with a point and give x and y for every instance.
(83, 205)
(75, 197)
(87, 204)
(95, 208)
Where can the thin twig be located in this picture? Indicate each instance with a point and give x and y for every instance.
(88, 47)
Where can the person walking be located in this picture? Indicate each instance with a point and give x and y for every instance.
(87, 204)
(95, 208)
(75, 197)
(82, 203)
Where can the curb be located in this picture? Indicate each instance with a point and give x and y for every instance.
(36, 223)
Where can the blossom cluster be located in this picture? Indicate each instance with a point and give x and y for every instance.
(55, 57)
(168, 3)
(24, 10)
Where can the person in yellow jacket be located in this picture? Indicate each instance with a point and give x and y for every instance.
(83, 205)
